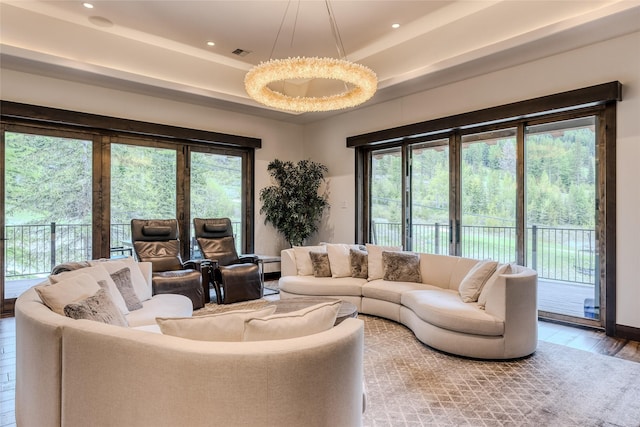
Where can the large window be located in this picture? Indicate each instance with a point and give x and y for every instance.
(47, 206)
(72, 182)
(517, 183)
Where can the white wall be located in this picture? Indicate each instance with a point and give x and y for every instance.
(616, 59)
(279, 140)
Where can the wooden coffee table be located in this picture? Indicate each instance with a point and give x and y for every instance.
(287, 305)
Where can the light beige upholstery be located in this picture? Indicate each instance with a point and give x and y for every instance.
(75, 373)
(507, 327)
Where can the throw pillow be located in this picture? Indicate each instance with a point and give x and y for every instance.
(140, 284)
(472, 284)
(98, 307)
(303, 260)
(122, 279)
(320, 264)
(358, 260)
(101, 275)
(308, 321)
(72, 289)
(501, 269)
(227, 326)
(339, 259)
(401, 266)
(374, 259)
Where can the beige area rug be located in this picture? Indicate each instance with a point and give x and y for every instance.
(410, 384)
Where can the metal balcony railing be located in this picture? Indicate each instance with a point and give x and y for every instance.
(32, 250)
(563, 254)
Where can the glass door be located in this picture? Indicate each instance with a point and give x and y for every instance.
(430, 197)
(143, 186)
(47, 206)
(488, 196)
(386, 198)
(561, 193)
(216, 192)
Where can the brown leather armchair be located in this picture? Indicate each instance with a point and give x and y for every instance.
(234, 278)
(157, 241)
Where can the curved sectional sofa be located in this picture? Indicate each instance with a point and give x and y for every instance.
(81, 372)
(504, 325)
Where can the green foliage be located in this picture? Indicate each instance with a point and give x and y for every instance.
(47, 179)
(293, 205)
(560, 182)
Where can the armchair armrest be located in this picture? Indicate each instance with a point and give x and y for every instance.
(247, 258)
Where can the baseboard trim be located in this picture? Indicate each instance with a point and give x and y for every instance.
(628, 332)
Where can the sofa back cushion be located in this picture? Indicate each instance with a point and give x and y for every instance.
(375, 266)
(67, 291)
(444, 271)
(227, 326)
(307, 321)
(303, 259)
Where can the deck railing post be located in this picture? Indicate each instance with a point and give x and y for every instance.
(52, 245)
(534, 247)
(437, 238)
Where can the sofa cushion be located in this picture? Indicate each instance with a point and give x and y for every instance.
(98, 307)
(140, 284)
(100, 275)
(501, 269)
(311, 320)
(303, 260)
(320, 264)
(309, 285)
(359, 263)
(390, 291)
(228, 326)
(374, 259)
(401, 266)
(161, 305)
(68, 290)
(444, 309)
(472, 284)
(339, 258)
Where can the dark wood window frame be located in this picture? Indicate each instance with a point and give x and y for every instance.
(599, 100)
(104, 130)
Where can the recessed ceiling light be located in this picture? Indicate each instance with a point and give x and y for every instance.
(211, 44)
(87, 5)
(395, 26)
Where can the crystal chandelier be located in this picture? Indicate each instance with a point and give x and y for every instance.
(360, 82)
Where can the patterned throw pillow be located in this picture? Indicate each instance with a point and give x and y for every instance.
(320, 263)
(99, 307)
(122, 279)
(401, 266)
(359, 261)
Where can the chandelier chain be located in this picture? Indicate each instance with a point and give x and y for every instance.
(275, 42)
(335, 31)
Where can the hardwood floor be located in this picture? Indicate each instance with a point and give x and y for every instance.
(584, 339)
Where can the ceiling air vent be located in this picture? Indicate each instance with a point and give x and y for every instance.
(241, 52)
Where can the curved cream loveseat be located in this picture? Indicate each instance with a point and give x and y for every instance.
(506, 327)
(82, 372)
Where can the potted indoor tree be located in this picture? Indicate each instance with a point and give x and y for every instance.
(292, 205)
